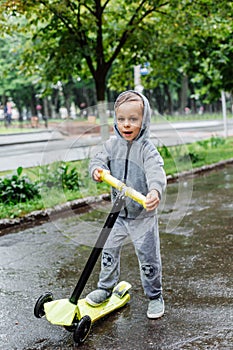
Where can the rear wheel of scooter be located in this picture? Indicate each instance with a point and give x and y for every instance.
(82, 330)
(39, 307)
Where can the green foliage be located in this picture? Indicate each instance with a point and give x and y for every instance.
(60, 175)
(190, 157)
(164, 151)
(90, 39)
(20, 209)
(17, 188)
(216, 141)
(203, 143)
(213, 142)
(209, 151)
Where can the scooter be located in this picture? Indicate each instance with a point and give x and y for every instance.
(75, 314)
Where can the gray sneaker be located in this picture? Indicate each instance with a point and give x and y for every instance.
(155, 308)
(97, 297)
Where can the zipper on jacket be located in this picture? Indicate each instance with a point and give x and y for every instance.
(127, 162)
(126, 170)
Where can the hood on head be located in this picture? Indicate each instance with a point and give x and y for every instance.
(145, 128)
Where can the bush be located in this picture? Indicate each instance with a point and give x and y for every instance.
(213, 142)
(17, 188)
(60, 175)
(164, 151)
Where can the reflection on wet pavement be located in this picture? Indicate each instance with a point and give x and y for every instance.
(196, 246)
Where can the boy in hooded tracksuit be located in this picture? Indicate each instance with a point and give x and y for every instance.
(132, 158)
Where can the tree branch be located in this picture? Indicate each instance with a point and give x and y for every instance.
(81, 37)
(56, 13)
(130, 24)
(105, 5)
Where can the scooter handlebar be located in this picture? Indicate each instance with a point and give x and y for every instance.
(119, 185)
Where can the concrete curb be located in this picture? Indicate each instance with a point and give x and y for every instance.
(41, 216)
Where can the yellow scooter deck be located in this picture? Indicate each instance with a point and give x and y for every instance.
(62, 312)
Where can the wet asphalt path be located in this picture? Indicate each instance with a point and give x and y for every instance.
(196, 225)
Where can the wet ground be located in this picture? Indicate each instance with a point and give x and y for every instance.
(196, 225)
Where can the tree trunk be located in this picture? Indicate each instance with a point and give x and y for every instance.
(159, 99)
(100, 83)
(46, 107)
(193, 102)
(184, 94)
(169, 99)
(33, 104)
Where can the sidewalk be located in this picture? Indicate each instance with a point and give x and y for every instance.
(29, 137)
(87, 129)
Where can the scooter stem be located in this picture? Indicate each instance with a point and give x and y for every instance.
(95, 253)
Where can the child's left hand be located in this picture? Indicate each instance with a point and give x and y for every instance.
(152, 200)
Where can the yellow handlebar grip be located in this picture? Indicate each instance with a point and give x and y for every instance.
(111, 180)
(136, 196)
(129, 191)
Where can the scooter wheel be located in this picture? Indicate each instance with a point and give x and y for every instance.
(73, 326)
(82, 330)
(39, 307)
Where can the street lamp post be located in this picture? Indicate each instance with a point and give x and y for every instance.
(137, 78)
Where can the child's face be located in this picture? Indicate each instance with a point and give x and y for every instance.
(129, 119)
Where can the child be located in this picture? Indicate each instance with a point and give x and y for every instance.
(132, 158)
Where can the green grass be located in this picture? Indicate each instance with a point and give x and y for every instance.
(185, 157)
(189, 117)
(176, 160)
(18, 128)
(55, 195)
(5, 131)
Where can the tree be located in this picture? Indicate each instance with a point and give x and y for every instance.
(192, 44)
(80, 34)
(13, 85)
(104, 39)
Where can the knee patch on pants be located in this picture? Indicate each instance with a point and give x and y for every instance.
(107, 260)
(148, 271)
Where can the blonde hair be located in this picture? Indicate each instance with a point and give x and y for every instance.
(128, 96)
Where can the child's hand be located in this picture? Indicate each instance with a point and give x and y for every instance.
(97, 174)
(152, 200)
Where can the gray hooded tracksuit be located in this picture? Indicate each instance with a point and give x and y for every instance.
(140, 166)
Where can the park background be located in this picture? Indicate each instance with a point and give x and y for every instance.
(70, 59)
(58, 59)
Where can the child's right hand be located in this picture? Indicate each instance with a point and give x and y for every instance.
(97, 174)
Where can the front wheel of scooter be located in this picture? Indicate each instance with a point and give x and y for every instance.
(82, 330)
(39, 307)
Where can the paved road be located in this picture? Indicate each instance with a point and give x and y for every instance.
(197, 276)
(33, 149)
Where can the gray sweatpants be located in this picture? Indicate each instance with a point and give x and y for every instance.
(145, 237)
